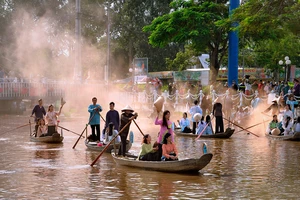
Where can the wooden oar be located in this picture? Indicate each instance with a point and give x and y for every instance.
(14, 129)
(204, 128)
(138, 128)
(84, 130)
(241, 127)
(107, 145)
(70, 131)
(250, 126)
(102, 118)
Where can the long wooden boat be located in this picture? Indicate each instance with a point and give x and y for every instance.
(93, 146)
(55, 138)
(227, 134)
(180, 166)
(295, 137)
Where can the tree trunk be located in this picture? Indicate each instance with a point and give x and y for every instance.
(214, 66)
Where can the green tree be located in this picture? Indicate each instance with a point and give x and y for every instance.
(201, 24)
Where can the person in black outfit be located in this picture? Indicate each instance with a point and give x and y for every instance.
(112, 116)
(39, 112)
(126, 117)
(217, 112)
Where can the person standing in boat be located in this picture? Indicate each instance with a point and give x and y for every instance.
(148, 151)
(165, 127)
(126, 117)
(184, 124)
(51, 119)
(112, 116)
(217, 112)
(169, 150)
(38, 112)
(195, 109)
(94, 109)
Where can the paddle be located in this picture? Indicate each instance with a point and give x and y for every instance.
(15, 128)
(250, 126)
(107, 145)
(240, 127)
(138, 128)
(70, 131)
(102, 118)
(204, 128)
(84, 130)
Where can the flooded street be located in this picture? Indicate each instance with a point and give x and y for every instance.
(243, 167)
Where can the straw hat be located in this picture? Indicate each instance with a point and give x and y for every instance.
(127, 108)
(275, 131)
(197, 117)
(159, 103)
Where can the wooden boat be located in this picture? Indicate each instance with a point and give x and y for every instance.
(227, 134)
(93, 146)
(55, 138)
(295, 137)
(179, 166)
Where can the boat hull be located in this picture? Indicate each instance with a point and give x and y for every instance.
(93, 146)
(179, 166)
(227, 134)
(55, 138)
(295, 137)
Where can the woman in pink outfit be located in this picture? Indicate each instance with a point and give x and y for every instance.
(165, 127)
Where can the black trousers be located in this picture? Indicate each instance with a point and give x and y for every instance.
(194, 127)
(97, 127)
(219, 124)
(122, 149)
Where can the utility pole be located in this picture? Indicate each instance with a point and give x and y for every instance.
(107, 71)
(77, 69)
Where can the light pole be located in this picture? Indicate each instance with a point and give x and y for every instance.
(287, 68)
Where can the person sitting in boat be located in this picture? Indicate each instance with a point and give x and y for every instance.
(148, 151)
(201, 125)
(184, 123)
(51, 119)
(42, 128)
(288, 112)
(110, 133)
(273, 125)
(208, 130)
(287, 125)
(297, 125)
(169, 150)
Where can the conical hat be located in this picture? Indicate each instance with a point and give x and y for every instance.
(127, 108)
(159, 103)
(275, 131)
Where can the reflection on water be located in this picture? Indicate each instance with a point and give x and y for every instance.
(243, 167)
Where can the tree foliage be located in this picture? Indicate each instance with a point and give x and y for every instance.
(197, 23)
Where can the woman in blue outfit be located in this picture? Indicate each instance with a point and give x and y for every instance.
(94, 120)
(184, 123)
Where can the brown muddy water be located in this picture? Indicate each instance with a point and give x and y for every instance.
(243, 167)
